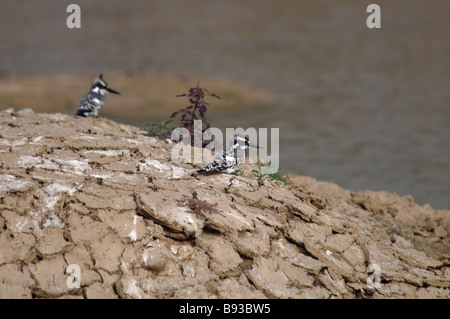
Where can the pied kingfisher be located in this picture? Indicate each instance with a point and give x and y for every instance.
(229, 158)
(93, 101)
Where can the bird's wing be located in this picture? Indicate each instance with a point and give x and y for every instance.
(90, 102)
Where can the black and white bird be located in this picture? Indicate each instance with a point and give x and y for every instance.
(94, 100)
(229, 158)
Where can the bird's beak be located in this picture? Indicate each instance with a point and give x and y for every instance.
(254, 145)
(112, 91)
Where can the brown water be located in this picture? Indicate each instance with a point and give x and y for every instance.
(367, 109)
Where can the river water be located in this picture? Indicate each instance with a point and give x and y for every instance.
(364, 108)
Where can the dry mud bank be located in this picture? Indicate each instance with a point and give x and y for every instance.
(104, 197)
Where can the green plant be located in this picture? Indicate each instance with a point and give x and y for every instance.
(238, 172)
(160, 130)
(277, 176)
(296, 284)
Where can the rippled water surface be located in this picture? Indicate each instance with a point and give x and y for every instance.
(367, 109)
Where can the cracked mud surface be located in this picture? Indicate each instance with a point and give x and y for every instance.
(100, 195)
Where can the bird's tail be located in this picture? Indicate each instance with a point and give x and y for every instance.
(201, 171)
(80, 114)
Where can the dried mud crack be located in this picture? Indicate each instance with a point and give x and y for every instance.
(104, 197)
